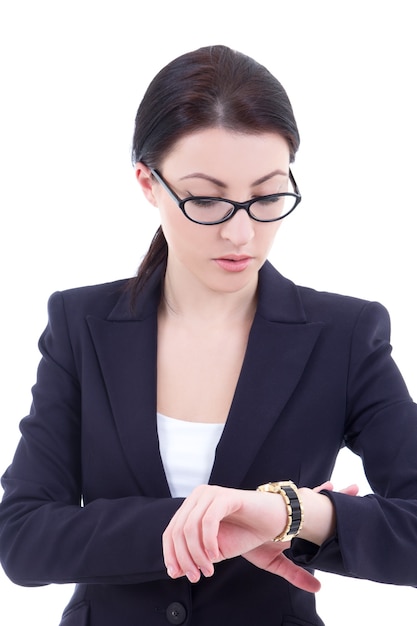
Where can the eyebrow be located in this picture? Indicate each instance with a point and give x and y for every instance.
(223, 185)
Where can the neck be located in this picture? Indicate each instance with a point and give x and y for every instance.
(187, 299)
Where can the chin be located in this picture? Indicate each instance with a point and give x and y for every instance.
(235, 282)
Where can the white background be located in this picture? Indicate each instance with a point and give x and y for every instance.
(72, 75)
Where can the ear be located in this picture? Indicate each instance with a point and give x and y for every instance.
(146, 181)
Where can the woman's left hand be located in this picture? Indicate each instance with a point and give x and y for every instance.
(269, 556)
(218, 523)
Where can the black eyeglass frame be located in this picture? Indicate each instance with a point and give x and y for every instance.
(236, 205)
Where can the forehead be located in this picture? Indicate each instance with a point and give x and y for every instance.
(226, 154)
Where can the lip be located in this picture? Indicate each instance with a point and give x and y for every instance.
(234, 262)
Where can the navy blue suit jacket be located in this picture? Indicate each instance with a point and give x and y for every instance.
(86, 498)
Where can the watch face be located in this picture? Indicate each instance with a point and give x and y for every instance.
(273, 488)
(276, 487)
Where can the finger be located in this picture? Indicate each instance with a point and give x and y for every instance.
(351, 490)
(183, 545)
(175, 552)
(326, 485)
(201, 527)
(170, 547)
(177, 557)
(270, 558)
(297, 576)
(200, 532)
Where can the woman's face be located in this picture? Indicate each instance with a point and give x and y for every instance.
(217, 162)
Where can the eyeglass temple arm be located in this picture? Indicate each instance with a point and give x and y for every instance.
(294, 184)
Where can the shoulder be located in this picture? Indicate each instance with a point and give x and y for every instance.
(96, 300)
(328, 303)
(311, 305)
(345, 312)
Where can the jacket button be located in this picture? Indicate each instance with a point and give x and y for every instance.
(176, 613)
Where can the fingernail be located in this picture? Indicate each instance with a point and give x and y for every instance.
(193, 577)
(207, 572)
(171, 571)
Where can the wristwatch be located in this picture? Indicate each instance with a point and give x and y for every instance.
(288, 490)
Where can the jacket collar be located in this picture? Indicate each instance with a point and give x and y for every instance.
(278, 299)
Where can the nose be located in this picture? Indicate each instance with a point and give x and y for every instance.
(239, 230)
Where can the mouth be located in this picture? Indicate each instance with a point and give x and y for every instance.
(235, 257)
(234, 262)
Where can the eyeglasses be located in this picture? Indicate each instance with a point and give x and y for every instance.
(209, 210)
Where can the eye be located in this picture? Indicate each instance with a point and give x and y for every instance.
(204, 203)
(269, 200)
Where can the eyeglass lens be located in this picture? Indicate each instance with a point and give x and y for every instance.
(207, 210)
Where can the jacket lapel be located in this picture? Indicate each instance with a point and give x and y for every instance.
(125, 344)
(280, 344)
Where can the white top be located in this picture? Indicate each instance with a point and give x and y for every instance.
(187, 451)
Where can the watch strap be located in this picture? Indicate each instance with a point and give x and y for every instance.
(289, 492)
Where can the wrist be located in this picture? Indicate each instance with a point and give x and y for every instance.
(319, 516)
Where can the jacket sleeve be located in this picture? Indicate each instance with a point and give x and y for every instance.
(46, 535)
(376, 535)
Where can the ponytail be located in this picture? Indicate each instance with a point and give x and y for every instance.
(157, 255)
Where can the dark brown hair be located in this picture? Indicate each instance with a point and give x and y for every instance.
(209, 87)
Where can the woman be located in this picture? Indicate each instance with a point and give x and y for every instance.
(185, 423)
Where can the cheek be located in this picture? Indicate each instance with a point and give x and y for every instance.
(268, 233)
(171, 220)
(181, 234)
